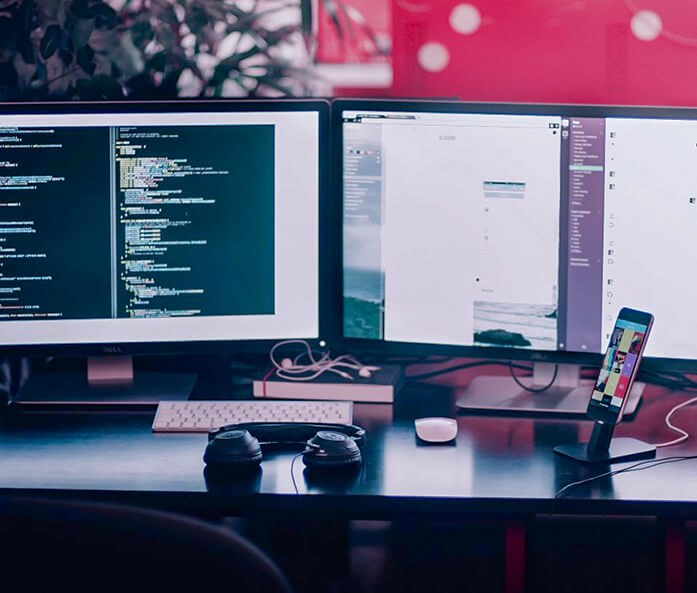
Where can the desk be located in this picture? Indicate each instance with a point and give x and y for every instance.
(501, 468)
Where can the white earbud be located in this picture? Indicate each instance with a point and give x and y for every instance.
(309, 364)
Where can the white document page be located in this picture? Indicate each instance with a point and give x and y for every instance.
(650, 235)
(471, 226)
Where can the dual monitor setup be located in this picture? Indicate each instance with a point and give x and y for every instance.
(497, 231)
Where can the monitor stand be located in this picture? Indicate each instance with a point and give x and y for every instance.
(602, 448)
(569, 394)
(109, 380)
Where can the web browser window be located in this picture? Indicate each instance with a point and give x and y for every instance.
(521, 231)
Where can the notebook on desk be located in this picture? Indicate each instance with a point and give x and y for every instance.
(380, 387)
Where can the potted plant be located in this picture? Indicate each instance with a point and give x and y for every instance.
(148, 49)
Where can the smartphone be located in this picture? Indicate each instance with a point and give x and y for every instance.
(620, 366)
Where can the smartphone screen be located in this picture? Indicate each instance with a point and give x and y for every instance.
(620, 365)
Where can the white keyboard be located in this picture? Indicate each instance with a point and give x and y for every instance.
(202, 416)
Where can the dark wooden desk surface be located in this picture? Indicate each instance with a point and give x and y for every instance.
(499, 465)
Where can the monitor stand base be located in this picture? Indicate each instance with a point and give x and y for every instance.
(621, 449)
(109, 381)
(569, 395)
(602, 448)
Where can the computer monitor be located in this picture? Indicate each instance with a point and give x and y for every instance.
(516, 231)
(159, 226)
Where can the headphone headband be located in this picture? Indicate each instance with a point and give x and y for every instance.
(290, 433)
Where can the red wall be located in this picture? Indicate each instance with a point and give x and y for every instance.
(550, 51)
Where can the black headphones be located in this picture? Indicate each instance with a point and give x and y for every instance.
(325, 445)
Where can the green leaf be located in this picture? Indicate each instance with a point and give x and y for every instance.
(25, 15)
(8, 74)
(8, 33)
(166, 38)
(276, 36)
(216, 12)
(83, 83)
(65, 56)
(80, 9)
(107, 87)
(168, 86)
(158, 61)
(234, 60)
(81, 32)
(140, 86)
(61, 14)
(142, 33)
(105, 16)
(248, 22)
(26, 50)
(169, 15)
(341, 7)
(85, 59)
(48, 9)
(84, 90)
(50, 41)
(330, 7)
(196, 19)
(220, 74)
(306, 18)
(355, 16)
(66, 49)
(39, 76)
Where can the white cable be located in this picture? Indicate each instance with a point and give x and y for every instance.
(683, 434)
(294, 370)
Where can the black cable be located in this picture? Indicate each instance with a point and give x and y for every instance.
(641, 465)
(534, 389)
(405, 361)
(671, 380)
(430, 359)
(292, 475)
(667, 379)
(678, 378)
(466, 365)
(648, 464)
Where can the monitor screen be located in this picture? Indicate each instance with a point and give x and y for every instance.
(159, 225)
(518, 231)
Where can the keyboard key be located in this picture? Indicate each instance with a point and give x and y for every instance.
(201, 416)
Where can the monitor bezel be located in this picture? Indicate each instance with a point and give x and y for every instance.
(195, 347)
(389, 348)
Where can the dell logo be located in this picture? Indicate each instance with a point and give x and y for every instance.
(111, 350)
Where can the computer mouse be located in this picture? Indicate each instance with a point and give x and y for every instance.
(436, 430)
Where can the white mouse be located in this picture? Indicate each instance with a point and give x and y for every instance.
(436, 430)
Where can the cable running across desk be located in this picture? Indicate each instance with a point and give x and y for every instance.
(641, 465)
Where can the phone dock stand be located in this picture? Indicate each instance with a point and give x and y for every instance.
(602, 448)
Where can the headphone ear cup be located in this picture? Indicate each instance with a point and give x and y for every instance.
(235, 448)
(329, 449)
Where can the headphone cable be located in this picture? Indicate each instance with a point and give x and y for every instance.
(292, 474)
